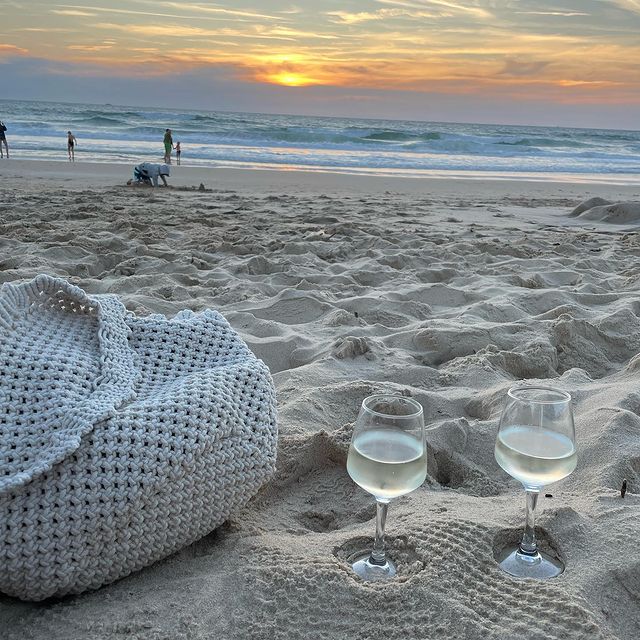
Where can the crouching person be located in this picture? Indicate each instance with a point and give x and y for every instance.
(149, 172)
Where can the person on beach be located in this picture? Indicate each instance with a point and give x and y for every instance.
(71, 143)
(168, 146)
(178, 151)
(3, 140)
(149, 172)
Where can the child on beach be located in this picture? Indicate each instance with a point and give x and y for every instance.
(71, 143)
(178, 151)
(3, 140)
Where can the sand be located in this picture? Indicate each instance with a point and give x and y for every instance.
(450, 291)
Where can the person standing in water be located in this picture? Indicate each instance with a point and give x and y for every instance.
(178, 152)
(3, 140)
(71, 143)
(168, 145)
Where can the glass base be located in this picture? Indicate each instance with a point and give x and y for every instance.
(371, 571)
(539, 566)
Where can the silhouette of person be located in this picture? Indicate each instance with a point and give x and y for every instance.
(71, 143)
(3, 140)
(168, 145)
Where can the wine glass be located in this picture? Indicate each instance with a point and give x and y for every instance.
(387, 458)
(535, 445)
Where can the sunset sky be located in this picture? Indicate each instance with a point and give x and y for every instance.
(567, 62)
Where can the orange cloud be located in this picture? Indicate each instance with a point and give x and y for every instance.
(566, 14)
(72, 12)
(186, 11)
(380, 14)
(182, 31)
(12, 50)
(89, 47)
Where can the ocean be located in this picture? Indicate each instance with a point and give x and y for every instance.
(109, 133)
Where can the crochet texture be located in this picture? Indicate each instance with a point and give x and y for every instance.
(122, 439)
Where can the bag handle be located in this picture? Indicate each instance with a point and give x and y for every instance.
(112, 388)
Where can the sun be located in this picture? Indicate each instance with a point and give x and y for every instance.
(290, 79)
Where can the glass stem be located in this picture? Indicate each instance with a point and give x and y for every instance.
(377, 554)
(529, 546)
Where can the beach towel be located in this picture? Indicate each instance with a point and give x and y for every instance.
(122, 438)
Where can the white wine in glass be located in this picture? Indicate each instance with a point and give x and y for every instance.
(535, 456)
(387, 458)
(535, 445)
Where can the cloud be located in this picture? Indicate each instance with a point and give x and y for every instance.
(380, 14)
(441, 5)
(518, 68)
(602, 84)
(567, 14)
(45, 30)
(12, 50)
(291, 11)
(297, 33)
(628, 5)
(154, 14)
(208, 9)
(90, 47)
(181, 31)
(175, 31)
(72, 12)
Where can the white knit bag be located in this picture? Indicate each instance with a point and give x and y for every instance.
(122, 438)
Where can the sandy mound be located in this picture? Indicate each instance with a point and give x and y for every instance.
(589, 204)
(604, 211)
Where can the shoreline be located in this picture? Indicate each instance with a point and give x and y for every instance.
(91, 174)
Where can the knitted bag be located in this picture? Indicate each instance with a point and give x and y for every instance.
(122, 439)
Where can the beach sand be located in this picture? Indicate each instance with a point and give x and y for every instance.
(450, 291)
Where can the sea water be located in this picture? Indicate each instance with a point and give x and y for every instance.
(109, 133)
